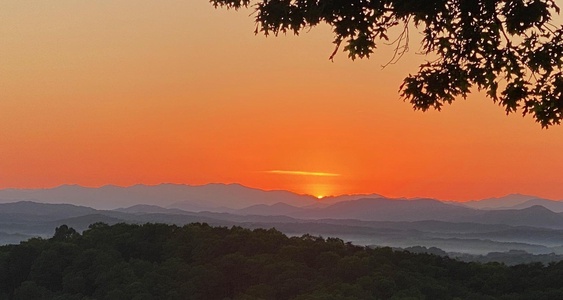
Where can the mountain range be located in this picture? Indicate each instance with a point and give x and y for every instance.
(514, 222)
(193, 198)
(225, 197)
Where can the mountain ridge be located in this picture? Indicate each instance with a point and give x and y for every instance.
(490, 235)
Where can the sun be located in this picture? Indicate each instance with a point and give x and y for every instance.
(320, 197)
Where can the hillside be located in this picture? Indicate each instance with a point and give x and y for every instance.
(156, 261)
(471, 231)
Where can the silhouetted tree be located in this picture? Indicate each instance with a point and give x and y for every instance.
(63, 233)
(509, 45)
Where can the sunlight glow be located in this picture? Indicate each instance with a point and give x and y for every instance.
(302, 173)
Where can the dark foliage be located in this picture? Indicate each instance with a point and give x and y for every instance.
(196, 261)
(488, 44)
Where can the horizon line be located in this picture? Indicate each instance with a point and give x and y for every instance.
(266, 190)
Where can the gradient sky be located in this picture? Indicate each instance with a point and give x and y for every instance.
(125, 92)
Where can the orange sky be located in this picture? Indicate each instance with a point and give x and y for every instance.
(124, 92)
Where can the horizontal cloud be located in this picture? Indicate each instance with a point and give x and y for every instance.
(302, 173)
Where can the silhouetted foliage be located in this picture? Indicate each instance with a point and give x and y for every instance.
(196, 261)
(509, 45)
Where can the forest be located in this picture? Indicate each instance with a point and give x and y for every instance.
(198, 261)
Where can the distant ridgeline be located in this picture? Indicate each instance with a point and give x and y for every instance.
(197, 261)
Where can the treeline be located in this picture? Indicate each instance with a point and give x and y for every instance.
(510, 258)
(197, 261)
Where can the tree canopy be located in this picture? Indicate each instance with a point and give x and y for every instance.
(508, 48)
(196, 261)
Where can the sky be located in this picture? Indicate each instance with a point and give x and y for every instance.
(127, 92)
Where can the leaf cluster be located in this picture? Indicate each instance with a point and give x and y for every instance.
(507, 48)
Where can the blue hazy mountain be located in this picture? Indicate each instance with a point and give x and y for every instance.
(194, 198)
(556, 206)
(499, 202)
